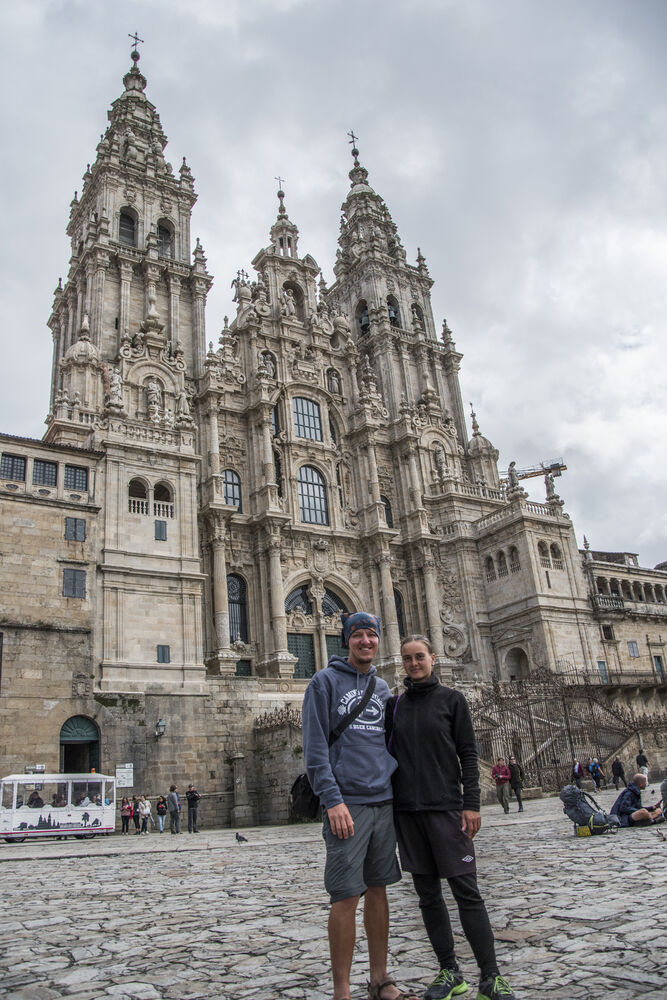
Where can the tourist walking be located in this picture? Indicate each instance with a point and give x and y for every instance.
(161, 810)
(596, 773)
(618, 772)
(642, 762)
(437, 813)
(350, 769)
(501, 775)
(516, 780)
(193, 797)
(578, 773)
(174, 807)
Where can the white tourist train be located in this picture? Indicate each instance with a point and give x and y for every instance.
(56, 805)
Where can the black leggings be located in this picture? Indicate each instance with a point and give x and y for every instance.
(473, 916)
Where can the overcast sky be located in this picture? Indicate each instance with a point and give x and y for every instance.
(521, 144)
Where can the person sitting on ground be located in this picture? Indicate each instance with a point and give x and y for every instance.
(628, 806)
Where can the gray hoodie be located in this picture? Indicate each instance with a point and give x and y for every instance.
(357, 768)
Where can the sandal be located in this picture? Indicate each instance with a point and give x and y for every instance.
(375, 991)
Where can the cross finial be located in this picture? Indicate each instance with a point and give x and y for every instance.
(281, 181)
(353, 138)
(135, 38)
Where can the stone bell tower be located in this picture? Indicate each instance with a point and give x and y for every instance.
(128, 354)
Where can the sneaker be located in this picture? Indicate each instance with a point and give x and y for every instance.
(496, 988)
(448, 983)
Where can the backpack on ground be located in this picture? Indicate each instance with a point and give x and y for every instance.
(588, 818)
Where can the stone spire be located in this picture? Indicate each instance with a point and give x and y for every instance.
(367, 229)
(284, 234)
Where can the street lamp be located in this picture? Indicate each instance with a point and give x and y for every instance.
(160, 727)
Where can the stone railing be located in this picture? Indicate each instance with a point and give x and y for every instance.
(279, 717)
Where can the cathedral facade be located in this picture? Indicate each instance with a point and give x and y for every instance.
(178, 547)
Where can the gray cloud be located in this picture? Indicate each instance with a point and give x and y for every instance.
(521, 145)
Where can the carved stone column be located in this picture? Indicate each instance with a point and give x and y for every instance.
(126, 272)
(174, 307)
(218, 530)
(281, 662)
(390, 624)
(213, 438)
(415, 484)
(97, 303)
(433, 607)
(199, 288)
(267, 448)
(373, 471)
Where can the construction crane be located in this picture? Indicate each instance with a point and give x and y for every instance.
(556, 467)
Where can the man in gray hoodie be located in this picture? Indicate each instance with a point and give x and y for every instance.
(352, 776)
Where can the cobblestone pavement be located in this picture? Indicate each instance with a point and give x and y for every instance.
(204, 917)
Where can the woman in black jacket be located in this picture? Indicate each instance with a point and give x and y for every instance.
(436, 811)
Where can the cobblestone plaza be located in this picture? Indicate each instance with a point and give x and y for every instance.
(205, 917)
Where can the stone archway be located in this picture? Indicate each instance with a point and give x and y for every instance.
(516, 664)
(79, 746)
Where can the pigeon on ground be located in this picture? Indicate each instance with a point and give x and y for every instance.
(241, 839)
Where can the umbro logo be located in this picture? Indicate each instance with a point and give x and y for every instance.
(467, 858)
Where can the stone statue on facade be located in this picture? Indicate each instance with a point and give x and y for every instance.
(550, 487)
(288, 303)
(154, 398)
(115, 389)
(512, 477)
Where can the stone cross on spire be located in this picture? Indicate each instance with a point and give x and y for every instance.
(353, 143)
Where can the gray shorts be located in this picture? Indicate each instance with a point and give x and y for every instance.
(368, 858)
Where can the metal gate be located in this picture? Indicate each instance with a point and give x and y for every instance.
(546, 724)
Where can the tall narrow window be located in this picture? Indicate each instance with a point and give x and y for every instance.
(127, 230)
(633, 648)
(164, 654)
(164, 242)
(237, 605)
(388, 516)
(392, 309)
(74, 583)
(400, 616)
(232, 488)
(312, 496)
(275, 422)
(307, 421)
(160, 531)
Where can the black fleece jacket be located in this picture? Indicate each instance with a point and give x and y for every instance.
(432, 738)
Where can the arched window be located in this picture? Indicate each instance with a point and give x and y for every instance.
(332, 604)
(137, 493)
(543, 553)
(400, 617)
(307, 420)
(165, 240)
(127, 230)
(417, 316)
(502, 564)
(333, 382)
(625, 590)
(79, 745)
(637, 591)
(312, 496)
(394, 311)
(388, 516)
(490, 567)
(278, 472)
(649, 593)
(237, 606)
(163, 500)
(556, 556)
(232, 488)
(515, 564)
(298, 599)
(363, 319)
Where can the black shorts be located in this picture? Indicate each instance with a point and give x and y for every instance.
(433, 843)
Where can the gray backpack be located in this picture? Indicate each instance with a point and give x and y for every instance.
(585, 813)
